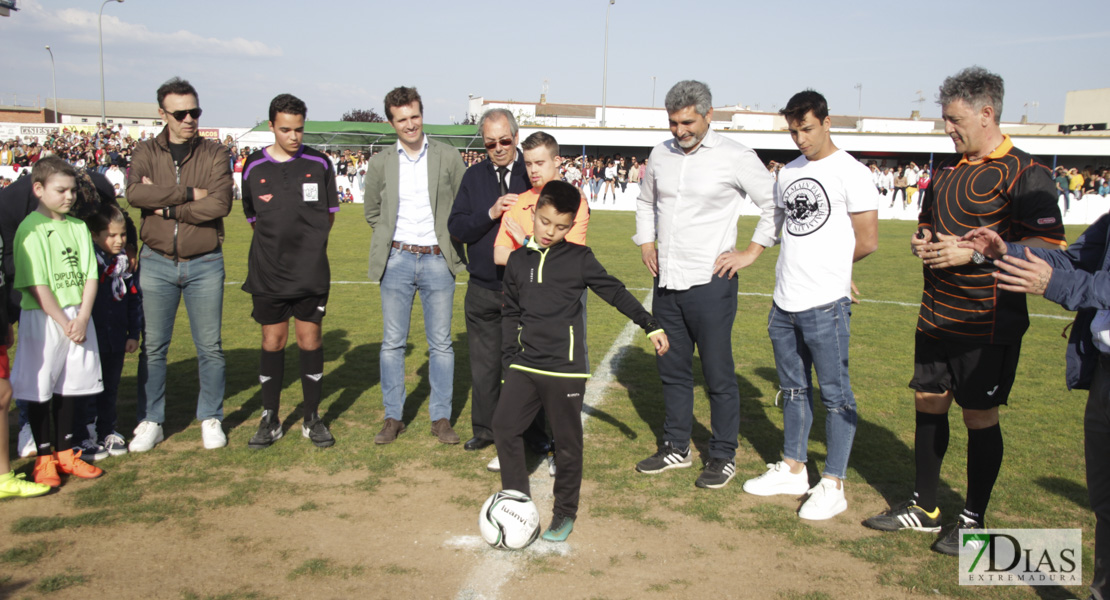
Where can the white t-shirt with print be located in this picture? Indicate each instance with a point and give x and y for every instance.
(815, 263)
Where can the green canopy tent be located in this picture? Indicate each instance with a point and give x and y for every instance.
(350, 134)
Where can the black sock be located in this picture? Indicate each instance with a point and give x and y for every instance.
(64, 408)
(930, 442)
(984, 461)
(312, 375)
(271, 371)
(38, 416)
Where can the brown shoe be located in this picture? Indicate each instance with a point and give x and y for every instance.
(442, 430)
(389, 432)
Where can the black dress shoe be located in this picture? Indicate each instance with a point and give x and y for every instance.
(477, 443)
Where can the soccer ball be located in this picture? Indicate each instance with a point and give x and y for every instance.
(509, 520)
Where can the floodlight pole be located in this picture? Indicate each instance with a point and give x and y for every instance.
(54, 80)
(100, 32)
(605, 67)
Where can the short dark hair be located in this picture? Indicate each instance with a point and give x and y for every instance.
(50, 166)
(803, 103)
(538, 139)
(564, 197)
(401, 96)
(105, 214)
(976, 86)
(288, 104)
(178, 87)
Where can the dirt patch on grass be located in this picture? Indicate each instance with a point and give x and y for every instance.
(329, 536)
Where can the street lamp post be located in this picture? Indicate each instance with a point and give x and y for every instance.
(53, 80)
(653, 91)
(859, 108)
(100, 32)
(605, 68)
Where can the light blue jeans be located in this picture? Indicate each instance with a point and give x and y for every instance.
(201, 282)
(816, 338)
(406, 274)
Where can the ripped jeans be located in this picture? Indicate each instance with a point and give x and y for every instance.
(817, 338)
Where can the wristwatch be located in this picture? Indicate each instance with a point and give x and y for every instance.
(978, 258)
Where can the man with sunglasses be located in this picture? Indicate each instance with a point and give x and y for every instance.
(487, 191)
(182, 183)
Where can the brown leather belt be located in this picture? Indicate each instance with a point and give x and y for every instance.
(417, 249)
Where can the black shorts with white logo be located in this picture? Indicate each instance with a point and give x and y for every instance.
(979, 376)
(271, 311)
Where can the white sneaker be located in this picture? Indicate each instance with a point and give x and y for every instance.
(778, 480)
(147, 436)
(26, 445)
(212, 433)
(494, 465)
(825, 501)
(551, 463)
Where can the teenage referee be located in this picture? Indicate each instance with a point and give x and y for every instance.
(290, 200)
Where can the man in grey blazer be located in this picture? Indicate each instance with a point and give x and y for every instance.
(409, 191)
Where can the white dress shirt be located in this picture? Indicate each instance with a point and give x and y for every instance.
(689, 204)
(416, 224)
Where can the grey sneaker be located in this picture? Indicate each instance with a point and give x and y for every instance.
(92, 451)
(269, 431)
(717, 473)
(316, 431)
(390, 430)
(114, 444)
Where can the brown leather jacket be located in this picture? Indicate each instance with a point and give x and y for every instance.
(195, 227)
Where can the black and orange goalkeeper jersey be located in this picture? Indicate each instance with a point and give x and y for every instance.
(1009, 192)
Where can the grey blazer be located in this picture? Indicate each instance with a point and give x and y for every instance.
(445, 171)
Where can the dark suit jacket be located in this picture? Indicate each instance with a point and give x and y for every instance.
(470, 223)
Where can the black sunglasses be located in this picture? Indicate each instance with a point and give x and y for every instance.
(502, 141)
(179, 115)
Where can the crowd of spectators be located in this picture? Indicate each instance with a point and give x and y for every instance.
(107, 150)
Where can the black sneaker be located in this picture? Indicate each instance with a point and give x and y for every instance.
(668, 457)
(316, 431)
(907, 515)
(717, 473)
(949, 543)
(269, 431)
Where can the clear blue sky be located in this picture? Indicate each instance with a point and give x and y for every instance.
(344, 54)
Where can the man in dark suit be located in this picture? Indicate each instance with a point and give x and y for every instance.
(488, 190)
(408, 195)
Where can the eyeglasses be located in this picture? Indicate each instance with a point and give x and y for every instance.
(503, 141)
(179, 115)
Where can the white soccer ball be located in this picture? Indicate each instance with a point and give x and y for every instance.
(509, 520)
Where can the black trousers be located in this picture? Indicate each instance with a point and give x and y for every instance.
(522, 397)
(482, 308)
(699, 318)
(1096, 442)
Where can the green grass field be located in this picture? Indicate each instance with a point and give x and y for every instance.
(1041, 484)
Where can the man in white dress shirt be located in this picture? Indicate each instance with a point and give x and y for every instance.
(690, 199)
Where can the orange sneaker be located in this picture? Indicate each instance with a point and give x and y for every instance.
(70, 463)
(46, 471)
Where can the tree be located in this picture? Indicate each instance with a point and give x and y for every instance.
(360, 115)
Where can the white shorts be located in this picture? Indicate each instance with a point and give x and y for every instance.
(48, 363)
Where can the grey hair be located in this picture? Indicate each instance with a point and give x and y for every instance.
(976, 86)
(499, 112)
(689, 93)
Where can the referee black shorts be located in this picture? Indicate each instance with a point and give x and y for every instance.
(271, 311)
(979, 376)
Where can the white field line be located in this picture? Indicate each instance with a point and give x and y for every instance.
(760, 294)
(496, 567)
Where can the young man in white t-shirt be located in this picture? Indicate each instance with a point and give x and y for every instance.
(827, 208)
